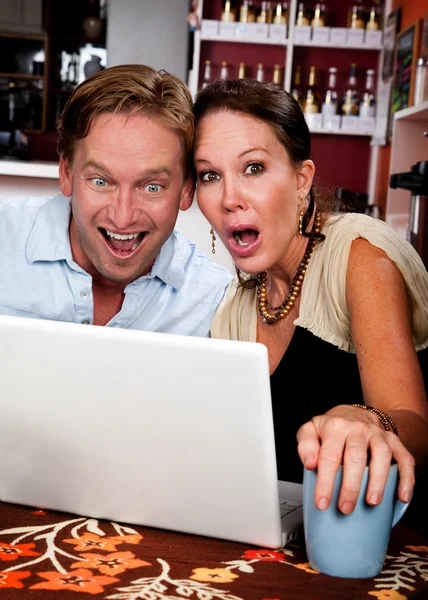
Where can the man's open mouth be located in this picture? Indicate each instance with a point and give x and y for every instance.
(123, 242)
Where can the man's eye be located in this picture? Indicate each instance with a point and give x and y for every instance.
(209, 176)
(254, 169)
(99, 182)
(153, 188)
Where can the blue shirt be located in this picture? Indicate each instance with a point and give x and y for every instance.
(39, 278)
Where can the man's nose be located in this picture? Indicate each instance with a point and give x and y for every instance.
(125, 212)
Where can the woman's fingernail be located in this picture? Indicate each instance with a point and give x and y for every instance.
(407, 495)
(374, 498)
(347, 507)
(309, 460)
(322, 503)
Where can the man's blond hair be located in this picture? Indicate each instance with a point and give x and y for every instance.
(128, 89)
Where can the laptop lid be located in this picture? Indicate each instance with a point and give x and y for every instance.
(147, 428)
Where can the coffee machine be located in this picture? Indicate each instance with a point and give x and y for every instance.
(416, 181)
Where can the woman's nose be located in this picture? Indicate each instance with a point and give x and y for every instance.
(234, 197)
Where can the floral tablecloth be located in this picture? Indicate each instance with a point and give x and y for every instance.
(49, 555)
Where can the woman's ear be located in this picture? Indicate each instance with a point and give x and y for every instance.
(305, 176)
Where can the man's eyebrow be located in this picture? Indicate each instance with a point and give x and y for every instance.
(143, 175)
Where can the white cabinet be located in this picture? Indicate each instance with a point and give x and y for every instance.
(23, 16)
(409, 145)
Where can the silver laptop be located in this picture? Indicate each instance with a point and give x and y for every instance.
(154, 429)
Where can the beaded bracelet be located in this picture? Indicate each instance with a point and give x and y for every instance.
(387, 423)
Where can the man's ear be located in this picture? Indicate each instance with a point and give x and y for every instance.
(187, 194)
(65, 177)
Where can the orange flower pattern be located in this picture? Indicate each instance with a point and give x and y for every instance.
(14, 551)
(111, 564)
(92, 541)
(214, 575)
(13, 579)
(388, 595)
(268, 555)
(80, 580)
(89, 556)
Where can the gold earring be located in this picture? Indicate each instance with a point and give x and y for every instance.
(302, 214)
(213, 240)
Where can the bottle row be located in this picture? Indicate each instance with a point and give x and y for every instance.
(277, 34)
(350, 110)
(360, 16)
(274, 74)
(353, 100)
(353, 108)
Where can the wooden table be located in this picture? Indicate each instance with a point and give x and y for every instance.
(49, 555)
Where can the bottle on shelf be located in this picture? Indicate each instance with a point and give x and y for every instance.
(302, 15)
(280, 16)
(373, 21)
(319, 18)
(207, 73)
(351, 100)
(224, 71)
(228, 14)
(367, 105)
(247, 11)
(329, 106)
(277, 74)
(297, 91)
(241, 71)
(312, 97)
(266, 12)
(356, 16)
(260, 73)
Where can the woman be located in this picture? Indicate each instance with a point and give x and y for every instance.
(341, 302)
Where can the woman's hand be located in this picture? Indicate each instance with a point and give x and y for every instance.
(346, 434)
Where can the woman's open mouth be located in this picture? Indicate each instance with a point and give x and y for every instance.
(122, 245)
(244, 241)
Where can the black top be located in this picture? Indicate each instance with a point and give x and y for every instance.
(312, 377)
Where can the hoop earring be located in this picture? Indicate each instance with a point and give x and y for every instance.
(301, 215)
(213, 239)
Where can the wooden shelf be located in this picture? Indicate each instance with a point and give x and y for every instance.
(413, 113)
(243, 40)
(327, 132)
(312, 44)
(25, 76)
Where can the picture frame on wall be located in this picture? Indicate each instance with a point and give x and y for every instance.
(406, 56)
(392, 28)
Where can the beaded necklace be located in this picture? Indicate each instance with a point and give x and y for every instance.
(280, 312)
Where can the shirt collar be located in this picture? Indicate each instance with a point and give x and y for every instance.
(49, 239)
(169, 263)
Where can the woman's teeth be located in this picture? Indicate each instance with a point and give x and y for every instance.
(238, 240)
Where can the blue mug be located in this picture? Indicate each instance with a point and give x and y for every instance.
(351, 545)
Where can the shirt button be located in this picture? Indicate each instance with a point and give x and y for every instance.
(84, 294)
(86, 322)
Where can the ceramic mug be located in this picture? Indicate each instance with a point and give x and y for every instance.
(351, 545)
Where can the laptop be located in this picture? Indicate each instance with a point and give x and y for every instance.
(153, 429)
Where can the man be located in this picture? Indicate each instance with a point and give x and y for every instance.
(104, 251)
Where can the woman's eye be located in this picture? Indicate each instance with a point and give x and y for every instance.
(153, 188)
(254, 169)
(209, 177)
(99, 182)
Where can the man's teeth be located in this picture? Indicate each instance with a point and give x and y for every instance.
(238, 240)
(125, 236)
